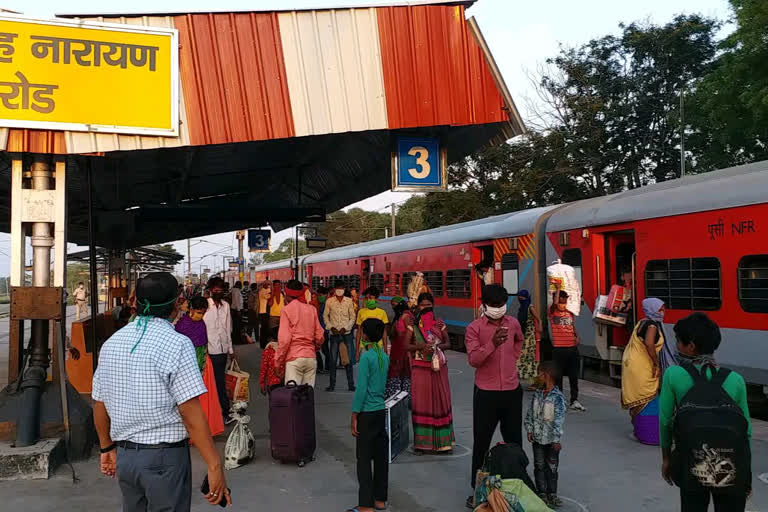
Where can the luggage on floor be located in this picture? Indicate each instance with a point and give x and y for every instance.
(398, 424)
(292, 423)
(241, 446)
(508, 460)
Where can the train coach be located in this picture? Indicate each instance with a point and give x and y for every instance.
(697, 243)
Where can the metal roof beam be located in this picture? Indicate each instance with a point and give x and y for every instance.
(247, 216)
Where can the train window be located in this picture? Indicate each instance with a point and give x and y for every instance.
(687, 283)
(396, 285)
(377, 280)
(458, 283)
(407, 277)
(434, 280)
(753, 283)
(332, 281)
(510, 273)
(572, 257)
(317, 282)
(353, 282)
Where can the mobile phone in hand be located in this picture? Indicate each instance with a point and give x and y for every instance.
(206, 488)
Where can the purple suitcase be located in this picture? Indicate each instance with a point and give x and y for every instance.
(292, 423)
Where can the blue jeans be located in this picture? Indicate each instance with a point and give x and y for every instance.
(335, 340)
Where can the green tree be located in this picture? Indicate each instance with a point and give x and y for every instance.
(730, 107)
(285, 251)
(164, 248)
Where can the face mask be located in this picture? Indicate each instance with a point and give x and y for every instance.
(217, 295)
(495, 313)
(426, 310)
(339, 293)
(196, 316)
(371, 303)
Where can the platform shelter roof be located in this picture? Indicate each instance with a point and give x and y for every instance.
(280, 110)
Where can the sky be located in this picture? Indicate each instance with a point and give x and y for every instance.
(521, 35)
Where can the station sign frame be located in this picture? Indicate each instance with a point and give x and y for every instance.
(79, 60)
(419, 164)
(259, 240)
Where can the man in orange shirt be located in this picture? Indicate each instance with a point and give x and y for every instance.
(299, 336)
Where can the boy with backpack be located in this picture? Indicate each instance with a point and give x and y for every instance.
(703, 411)
(369, 420)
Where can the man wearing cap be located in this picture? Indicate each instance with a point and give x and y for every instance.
(146, 407)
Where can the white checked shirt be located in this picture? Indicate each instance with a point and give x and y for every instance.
(218, 325)
(142, 391)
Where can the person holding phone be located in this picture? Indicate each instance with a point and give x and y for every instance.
(494, 343)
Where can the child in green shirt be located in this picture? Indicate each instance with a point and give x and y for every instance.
(369, 420)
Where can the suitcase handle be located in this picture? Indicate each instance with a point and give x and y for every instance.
(291, 384)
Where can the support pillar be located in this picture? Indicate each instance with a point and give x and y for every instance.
(32, 407)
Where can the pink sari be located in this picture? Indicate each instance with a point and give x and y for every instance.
(430, 393)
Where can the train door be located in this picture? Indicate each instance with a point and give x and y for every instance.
(620, 270)
(482, 255)
(365, 275)
(510, 279)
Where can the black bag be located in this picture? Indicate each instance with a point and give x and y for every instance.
(508, 460)
(711, 444)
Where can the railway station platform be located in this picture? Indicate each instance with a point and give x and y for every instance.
(602, 469)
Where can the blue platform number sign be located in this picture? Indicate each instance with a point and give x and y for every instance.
(418, 165)
(258, 240)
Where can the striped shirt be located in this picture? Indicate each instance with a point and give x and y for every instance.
(563, 329)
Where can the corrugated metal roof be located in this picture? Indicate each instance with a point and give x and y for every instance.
(251, 76)
(434, 71)
(736, 186)
(499, 226)
(333, 64)
(233, 77)
(284, 9)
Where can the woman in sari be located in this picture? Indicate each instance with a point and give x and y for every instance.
(430, 389)
(399, 376)
(528, 364)
(192, 326)
(641, 372)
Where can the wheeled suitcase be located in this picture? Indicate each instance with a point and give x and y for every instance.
(292, 423)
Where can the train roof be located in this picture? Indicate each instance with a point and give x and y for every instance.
(727, 188)
(498, 226)
(275, 265)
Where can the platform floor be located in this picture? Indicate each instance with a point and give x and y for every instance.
(602, 469)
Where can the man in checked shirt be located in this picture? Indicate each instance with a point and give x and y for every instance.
(147, 410)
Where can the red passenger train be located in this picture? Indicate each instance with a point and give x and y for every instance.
(697, 243)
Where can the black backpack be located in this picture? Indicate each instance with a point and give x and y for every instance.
(711, 444)
(508, 460)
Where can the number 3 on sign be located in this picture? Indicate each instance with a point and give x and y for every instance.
(422, 160)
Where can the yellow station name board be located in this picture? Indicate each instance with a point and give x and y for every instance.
(82, 76)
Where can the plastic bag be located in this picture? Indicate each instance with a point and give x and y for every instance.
(237, 383)
(565, 276)
(241, 446)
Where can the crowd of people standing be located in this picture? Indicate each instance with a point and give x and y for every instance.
(173, 358)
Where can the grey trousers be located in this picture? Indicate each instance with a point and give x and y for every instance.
(157, 480)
